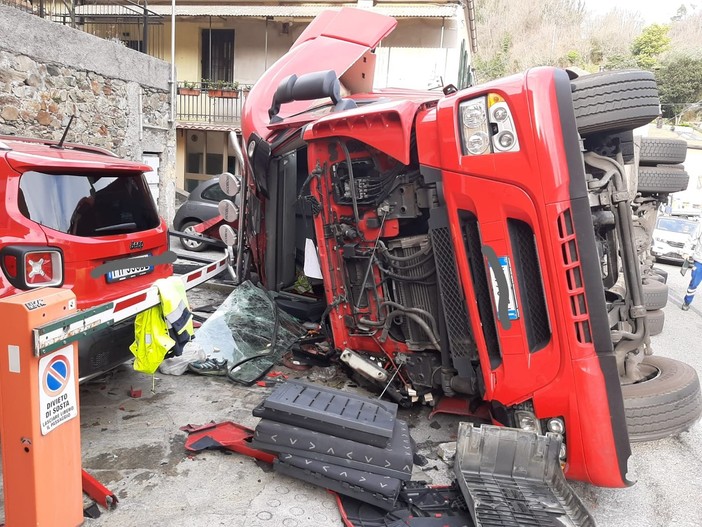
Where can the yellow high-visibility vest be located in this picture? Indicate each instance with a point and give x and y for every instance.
(151, 328)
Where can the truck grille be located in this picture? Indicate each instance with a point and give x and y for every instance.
(526, 264)
(471, 239)
(460, 336)
(574, 277)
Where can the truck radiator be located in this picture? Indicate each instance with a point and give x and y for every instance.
(414, 293)
(459, 334)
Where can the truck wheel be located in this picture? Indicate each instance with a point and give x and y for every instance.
(614, 101)
(655, 295)
(662, 180)
(667, 402)
(655, 321)
(662, 273)
(655, 151)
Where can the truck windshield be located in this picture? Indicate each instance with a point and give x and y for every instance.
(676, 225)
(88, 205)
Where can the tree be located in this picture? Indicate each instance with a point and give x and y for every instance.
(649, 45)
(679, 83)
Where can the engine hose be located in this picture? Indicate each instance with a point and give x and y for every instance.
(386, 252)
(416, 318)
(414, 310)
(404, 278)
(396, 265)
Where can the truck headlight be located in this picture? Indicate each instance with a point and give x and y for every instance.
(487, 126)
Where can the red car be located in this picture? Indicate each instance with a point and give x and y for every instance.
(69, 210)
(473, 245)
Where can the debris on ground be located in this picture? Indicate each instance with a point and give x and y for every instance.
(447, 451)
(250, 332)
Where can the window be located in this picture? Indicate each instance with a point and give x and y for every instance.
(88, 205)
(218, 54)
(214, 193)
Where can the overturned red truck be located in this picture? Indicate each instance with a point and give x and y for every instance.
(475, 246)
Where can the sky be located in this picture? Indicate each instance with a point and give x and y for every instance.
(652, 11)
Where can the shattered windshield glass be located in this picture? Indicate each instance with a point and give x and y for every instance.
(250, 332)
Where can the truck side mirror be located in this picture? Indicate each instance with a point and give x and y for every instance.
(308, 87)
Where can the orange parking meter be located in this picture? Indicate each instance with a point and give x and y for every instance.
(39, 419)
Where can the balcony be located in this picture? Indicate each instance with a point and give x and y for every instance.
(129, 22)
(201, 103)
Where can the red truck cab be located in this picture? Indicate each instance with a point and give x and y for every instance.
(463, 244)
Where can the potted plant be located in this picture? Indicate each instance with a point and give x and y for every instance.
(230, 90)
(224, 89)
(246, 88)
(189, 88)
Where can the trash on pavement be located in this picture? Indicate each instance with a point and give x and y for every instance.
(226, 435)
(192, 352)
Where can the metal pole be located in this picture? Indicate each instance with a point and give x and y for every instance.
(173, 70)
(265, 48)
(145, 38)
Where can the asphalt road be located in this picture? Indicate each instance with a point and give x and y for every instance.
(668, 492)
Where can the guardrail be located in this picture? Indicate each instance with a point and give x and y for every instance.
(57, 334)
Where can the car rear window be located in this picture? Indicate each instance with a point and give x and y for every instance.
(88, 205)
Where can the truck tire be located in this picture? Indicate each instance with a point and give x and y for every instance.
(666, 403)
(662, 273)
(655, 295)
(657, 151)
(614, 101)
(662, 180)
(655, 321)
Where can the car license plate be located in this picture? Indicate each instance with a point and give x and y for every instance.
(123, 274)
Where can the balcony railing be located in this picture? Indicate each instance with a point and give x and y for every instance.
(127, 21)
(200, 103)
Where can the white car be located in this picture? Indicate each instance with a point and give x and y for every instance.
(669, 237)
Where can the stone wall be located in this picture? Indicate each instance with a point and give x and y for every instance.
(120, 98)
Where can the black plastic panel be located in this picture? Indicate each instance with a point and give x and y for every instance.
(460, 335)
(347, 485)
(395, 461)
(329, 411)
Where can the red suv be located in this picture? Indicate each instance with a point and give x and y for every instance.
(70, 209)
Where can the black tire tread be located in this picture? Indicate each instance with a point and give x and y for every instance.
(663, 406)
(655, 295)
(662, 180)
(660, 151)
(655, 320)
(615, 101)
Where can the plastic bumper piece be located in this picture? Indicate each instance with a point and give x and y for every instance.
(512, 477)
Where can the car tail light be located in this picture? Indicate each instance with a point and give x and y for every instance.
(29, 267)
(9, 263)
